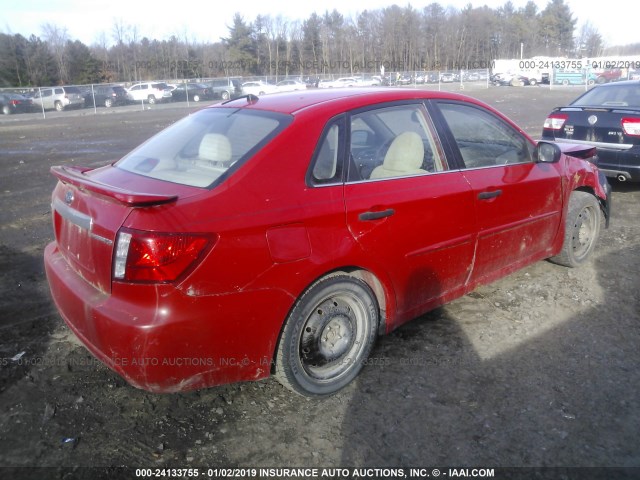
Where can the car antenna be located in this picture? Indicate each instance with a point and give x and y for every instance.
(251, 98)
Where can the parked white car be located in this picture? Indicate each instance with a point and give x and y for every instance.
(369, 81)
(291, 85)
(341, 82)
(258, 88)
(150, 92)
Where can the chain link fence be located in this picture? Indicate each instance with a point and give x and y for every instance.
(97, 97)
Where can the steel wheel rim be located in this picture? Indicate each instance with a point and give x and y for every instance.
(333, 337)
(584, 232)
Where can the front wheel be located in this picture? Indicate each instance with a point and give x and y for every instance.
(151, 99)
(582, 229)
(327, 337)
(6, 110)
(108, 102)
(196, 98)
(59, 107)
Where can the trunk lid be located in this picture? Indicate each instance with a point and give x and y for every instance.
(600, 126)
(89, 207)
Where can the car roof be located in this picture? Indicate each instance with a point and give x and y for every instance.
(347, 99)
(617, 84)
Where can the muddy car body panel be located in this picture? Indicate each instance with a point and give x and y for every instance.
(208, 256)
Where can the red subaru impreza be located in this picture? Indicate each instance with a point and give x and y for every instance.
(283, 234)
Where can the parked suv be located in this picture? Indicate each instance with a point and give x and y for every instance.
(107, 95)
(59, 98)
(150, 92)
(226, 88)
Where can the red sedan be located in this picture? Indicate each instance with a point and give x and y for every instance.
(282, 234)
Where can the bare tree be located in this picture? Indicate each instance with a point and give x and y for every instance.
(57, 38)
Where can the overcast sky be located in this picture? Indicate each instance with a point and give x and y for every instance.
(208, 21)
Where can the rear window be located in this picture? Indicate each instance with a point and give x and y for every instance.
(611, 96)
(205, 147)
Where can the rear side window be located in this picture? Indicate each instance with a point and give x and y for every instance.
(611, 96)
(327, 163)
(204, 147)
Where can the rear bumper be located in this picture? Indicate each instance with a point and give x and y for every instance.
(620, 164)
(160, 339)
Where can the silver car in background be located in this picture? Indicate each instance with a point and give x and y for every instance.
(58, 98)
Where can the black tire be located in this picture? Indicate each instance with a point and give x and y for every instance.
(533, 82)
(196, 98)
(327, 337)
(565, 82)
(6, 110)
(224, 95)
(108, 102)
(151, 99)
(58, 106)
(582, 229)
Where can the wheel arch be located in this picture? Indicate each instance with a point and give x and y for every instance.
(380, 292)
(604, 203)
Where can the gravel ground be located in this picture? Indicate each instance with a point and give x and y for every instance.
(537, 369)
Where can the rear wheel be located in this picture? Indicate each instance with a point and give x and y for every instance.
(327, 337)
(582, 229)
(533, 82)
(59, 107)
(151, 99)
(196, 98)
(6, 110)
(108, 102)
(224, 95)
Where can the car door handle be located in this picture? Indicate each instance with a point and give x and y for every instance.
(376, 215)
(487, 195)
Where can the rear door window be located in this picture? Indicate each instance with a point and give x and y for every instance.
(393, 141)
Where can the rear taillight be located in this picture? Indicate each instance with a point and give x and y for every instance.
(14, 102)
(151, 257)
(555, 121)
(631, 126)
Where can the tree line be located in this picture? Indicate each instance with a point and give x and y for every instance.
(396, 38)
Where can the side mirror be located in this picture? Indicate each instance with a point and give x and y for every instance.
(547, 152)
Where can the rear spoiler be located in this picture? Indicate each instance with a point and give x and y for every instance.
(76, 176)
(601, 108)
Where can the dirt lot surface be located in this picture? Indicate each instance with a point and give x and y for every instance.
(538, 369)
